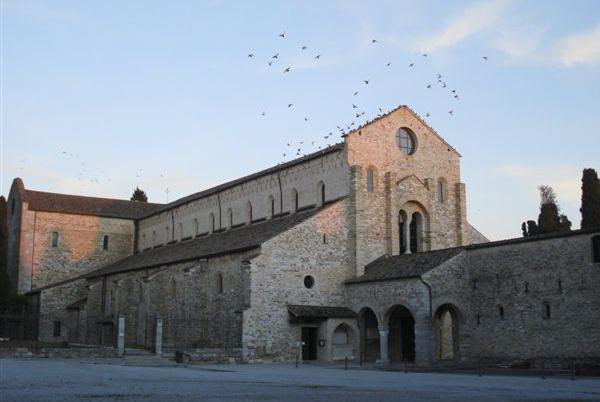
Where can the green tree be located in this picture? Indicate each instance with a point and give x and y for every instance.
(5, 289)
(590, 199)
(139, 195)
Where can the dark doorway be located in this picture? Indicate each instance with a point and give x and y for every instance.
(401, 341)
(309, 343)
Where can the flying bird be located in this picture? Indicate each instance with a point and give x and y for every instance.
(485, 58)
(411, 64)
(287, 70)
(270, 63)
(290, 105)
(275, 56)
(451, 112)
(303, 47)
(282, 35)
(428, 86)
(388, 64)
(263, 113)
(318, 56)
(424, 54)
(427, 115)
(439, 76)
(354, 106)
(374, 41)
(355, 93)
(306, 119)
(366, 82)
(251, 55)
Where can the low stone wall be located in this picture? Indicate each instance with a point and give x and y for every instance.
(58, 353)
(208, 355)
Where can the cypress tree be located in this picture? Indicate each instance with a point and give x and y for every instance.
(4, 281)
(590, 199)
(139, 195)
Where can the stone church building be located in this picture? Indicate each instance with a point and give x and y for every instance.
(361, 250)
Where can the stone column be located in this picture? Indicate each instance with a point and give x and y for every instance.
(407, 233)
(383, 344)
(158, 336)
(121, 335)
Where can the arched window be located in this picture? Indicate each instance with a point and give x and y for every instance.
(441, 191)
(501, 311)
(416, 228)
(105, 242)
(402, 222)
(54, 239)
(272, 203)
(196, 228)
(248, 212)
(596, 248)
(212, 223)
(295, 198)
(230, 218)
(321, 193)
(406, 140)
(370, 181)
(219, 283)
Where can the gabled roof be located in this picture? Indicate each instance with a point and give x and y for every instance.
(253, 176)
(81, 205)
(415, 114)
(405, 266)
(239, 239)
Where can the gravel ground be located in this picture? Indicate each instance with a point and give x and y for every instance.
(137, 380)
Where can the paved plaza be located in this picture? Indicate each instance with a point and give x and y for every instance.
(128, 380)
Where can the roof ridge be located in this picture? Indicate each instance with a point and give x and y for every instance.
(89, 197)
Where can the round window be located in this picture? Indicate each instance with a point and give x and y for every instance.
(406, 141)
(309, 281)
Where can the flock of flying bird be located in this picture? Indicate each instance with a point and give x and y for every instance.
(295, 149)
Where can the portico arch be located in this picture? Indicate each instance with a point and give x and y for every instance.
(401, 340)
(446, 326)
(369, 335)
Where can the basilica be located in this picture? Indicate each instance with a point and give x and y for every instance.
(362, 251)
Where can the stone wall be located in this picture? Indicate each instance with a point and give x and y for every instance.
(196, 217)
(14, 216)
(317, 247)
(185, 295)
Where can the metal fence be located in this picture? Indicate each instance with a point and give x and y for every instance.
(18, 325)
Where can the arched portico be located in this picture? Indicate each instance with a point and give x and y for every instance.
(446, 327)
(369, 335)
(412, 229)
(401, 339)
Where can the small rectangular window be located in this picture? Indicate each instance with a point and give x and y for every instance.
(105, 243)
(54, 239)
(370, 181)
(56, 328)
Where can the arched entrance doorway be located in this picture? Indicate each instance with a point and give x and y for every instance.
(446, 323)
(401, 342)
(369, 335)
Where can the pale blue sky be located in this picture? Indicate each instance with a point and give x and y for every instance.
(135, 90)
